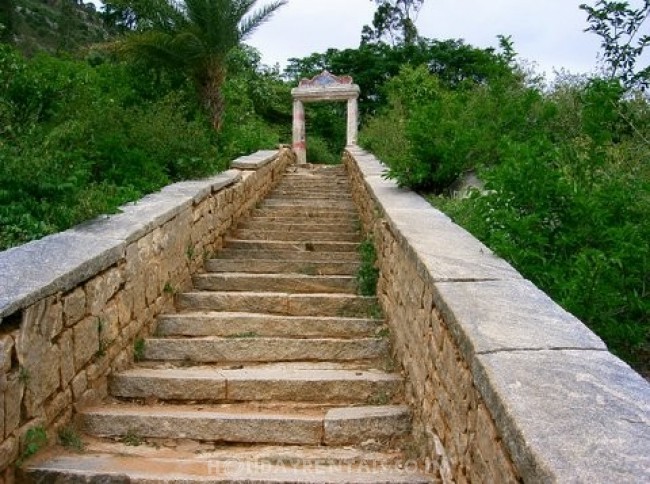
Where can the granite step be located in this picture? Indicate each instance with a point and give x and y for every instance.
(297, 245)
(297, 283)
(306, 213)
(280, 235)
(340, 305)
(230, 324)
(262, 223)
(120, 464)
(252, 348)
(292, 424)
(278, 266)
(296, 253)
(309, 204)
(304, 382)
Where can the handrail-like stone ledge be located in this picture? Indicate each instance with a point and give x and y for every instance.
(73, 304)
(254, 161)
(60, 261)
(565, 408)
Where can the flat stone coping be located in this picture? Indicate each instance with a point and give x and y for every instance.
(326, 93)
(61, 261)
(567, 409)
(254, 161)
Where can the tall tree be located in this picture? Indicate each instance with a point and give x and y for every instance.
(619, 27)
(394, 21)
(195, 36)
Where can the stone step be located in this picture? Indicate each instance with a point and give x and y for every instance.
(262, 223)
(306, 382)
(246, 423)
(296, 254)
(252, 348)
(306, 213)
(339, 305)
(308, 204)
(116, 462)
(297, 283)
(265, 325)
(309, 193)
(297, 245)
(264, 234)
(278, 266)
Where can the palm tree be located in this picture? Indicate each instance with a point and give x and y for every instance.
(196, 37)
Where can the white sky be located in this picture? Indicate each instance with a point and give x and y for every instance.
(547, 32)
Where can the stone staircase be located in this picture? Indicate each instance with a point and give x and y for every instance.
(272, 370)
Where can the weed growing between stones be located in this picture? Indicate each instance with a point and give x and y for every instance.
(168, 289)
(70, 439)
(189, 252)
(23, 375)
(380, 398)
(132, 439)
(35, 440)
(368, 274)
(138, 349)
(101, 349)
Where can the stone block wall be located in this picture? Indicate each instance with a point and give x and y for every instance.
(505, 385)
(73, 304)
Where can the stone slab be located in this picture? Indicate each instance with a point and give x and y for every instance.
(569, 416)
(509, 315)
(255, 160)
(232, 324)
(211, 425)
(296, 283)
(249, 349)
(343, 305)
(55, 263)
(268, 266)
(200, 189)
(446, 251)
(201, 468)
(367, 162)
(358, 424)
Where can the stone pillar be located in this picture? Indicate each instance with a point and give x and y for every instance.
(353, 120)
(299, 144)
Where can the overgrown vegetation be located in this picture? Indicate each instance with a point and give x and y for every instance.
(35, 439)
(368, 273)
(567, 177)
(83, 132)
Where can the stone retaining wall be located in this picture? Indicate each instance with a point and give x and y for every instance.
(73, 304)
(505, 385)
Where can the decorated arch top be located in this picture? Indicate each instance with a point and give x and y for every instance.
(326, 87)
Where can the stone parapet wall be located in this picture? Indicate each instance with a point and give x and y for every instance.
(505, 385)
(73, 304)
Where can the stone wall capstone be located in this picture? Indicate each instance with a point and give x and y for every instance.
(73, 304)
(505, 385)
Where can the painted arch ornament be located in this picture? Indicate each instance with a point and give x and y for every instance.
(323, 87)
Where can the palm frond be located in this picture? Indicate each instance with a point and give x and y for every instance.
(158, 47)
(249, 24)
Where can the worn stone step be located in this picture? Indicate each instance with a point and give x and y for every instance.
(306, 382)
(340, 305)
(264, 234)
(267, 266)
(120, 463)
(297, 245)
(308, 204)
(297, 283)
(306, 213)
(251, 348)
(311, 193)
(260, 223)
(245, 423)
(296, 254)
(226, 324)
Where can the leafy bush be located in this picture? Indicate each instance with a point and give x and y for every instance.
(567, 186)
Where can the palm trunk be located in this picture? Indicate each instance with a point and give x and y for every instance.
(211, 87)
